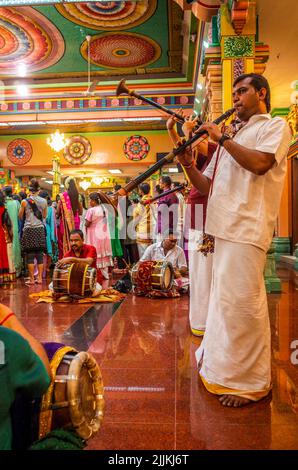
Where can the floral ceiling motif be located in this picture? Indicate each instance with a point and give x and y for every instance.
(124, 50)
(27, 37)
(108, 15)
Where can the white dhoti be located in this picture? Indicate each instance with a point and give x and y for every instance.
(200, 274)
(234, 356)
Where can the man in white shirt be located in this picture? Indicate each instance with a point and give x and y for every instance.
(245, 179)
(167, 250)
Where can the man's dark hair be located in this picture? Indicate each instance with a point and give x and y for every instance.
(22, 195)
(167, 233)
(7, 191)
(33, 185)
(166, 180)
(258, 82)
(145, 188)
(77, 231)
(117, 187)
(16, 197)
(94, 197)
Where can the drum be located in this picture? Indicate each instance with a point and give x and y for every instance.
(74, 279)
(152, 275)
(74, 399)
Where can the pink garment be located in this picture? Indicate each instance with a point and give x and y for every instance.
(98, 235)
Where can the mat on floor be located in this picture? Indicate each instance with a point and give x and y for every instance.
(107, 295)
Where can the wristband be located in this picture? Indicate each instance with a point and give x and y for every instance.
(187, 167)
(6, 318)
(223, 138)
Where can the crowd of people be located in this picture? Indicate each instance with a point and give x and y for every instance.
(35, 230)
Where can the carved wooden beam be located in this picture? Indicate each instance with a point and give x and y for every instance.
(202, 9)
(239, 15)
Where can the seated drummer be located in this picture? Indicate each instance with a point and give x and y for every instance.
(80, 253)
(24, 375)
(168, 250)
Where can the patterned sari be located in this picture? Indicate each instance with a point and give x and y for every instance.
(68, 222)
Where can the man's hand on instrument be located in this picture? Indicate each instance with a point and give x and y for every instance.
(212, 130)
(63, 262)
(188, 126)
(177, 273)
(172, 120)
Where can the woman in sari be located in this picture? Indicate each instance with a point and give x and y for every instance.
(68, 211)
(7, 270)
(51, 232)
(13, 206)
(98, 235)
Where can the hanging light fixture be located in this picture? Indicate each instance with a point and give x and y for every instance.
(57, 141)
(85, 184)
(97, 180)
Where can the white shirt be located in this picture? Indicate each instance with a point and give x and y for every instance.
(243, 206)
(155, 252)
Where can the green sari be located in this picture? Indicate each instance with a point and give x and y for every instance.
(13, 208)
(114, 234)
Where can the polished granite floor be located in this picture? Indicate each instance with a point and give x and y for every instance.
(154, 399)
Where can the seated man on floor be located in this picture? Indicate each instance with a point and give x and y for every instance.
(80, 253)
(168, 250)
(79, 256)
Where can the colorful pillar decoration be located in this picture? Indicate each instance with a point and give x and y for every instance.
(56, 177)
(237, 41)
(234, 50)
(211, 69)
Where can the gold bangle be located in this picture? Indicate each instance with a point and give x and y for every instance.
(187, 167)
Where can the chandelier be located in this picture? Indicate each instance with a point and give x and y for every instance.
(57, 141)
(85, 184)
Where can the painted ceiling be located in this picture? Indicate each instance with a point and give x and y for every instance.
(72, 56)
(136, 38)
(52, 39)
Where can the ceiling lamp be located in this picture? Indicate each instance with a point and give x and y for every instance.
(97, 181)
(85, 184)
(57, 141)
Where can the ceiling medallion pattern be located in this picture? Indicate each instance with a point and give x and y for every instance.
(136, 148)
(27, 37)
(19, 151)
(78, 150)
(108, 15)
(121, 50)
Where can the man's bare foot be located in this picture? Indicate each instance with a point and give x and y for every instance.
(233, 401)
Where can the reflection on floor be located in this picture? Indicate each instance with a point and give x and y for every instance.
(154, 399)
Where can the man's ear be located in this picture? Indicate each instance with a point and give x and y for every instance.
(262, 93)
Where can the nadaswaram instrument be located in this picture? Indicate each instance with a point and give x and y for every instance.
(165, 193)
(123, 90)
(154, 168)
